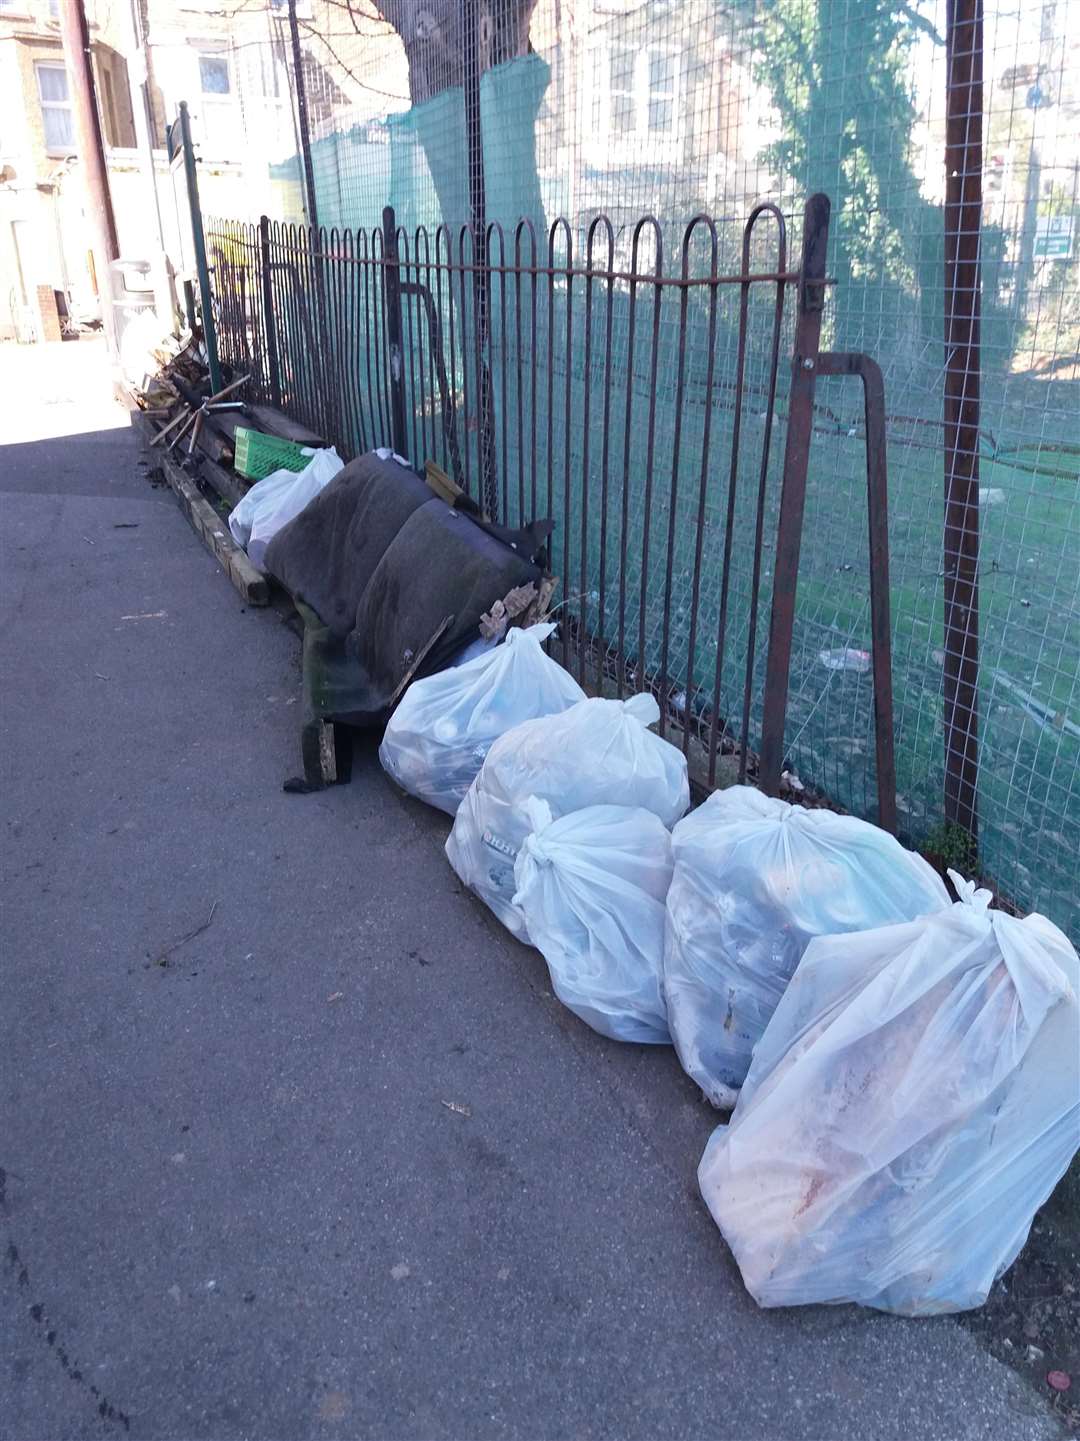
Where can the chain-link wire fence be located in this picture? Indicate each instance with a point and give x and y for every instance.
(583, 107)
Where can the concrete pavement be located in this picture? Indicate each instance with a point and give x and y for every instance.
(235, 1203)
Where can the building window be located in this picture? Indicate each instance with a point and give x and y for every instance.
(219, 128)
(273, 84)
(634, 103)
(112, 130)
(663, 80)
(52, 83)
(214, 75)
(622, 88)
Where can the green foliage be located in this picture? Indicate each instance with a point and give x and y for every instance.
(952, 847)
(839, 75)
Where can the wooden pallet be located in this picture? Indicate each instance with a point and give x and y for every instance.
(208, 525)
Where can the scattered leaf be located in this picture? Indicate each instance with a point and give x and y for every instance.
(333, 1406)
(457, 1108)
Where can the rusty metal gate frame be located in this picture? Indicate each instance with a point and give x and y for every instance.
(809, 362)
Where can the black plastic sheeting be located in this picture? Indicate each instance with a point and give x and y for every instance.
(383, 572)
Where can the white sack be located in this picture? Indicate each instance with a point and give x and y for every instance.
(755, 880)
(599, 752)
(591, 887)
(912, 1104)
(278, 498)
(438, 737)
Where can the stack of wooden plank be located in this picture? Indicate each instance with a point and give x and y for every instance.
(190, 432)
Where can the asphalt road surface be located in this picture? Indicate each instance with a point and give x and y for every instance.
(340, 1166)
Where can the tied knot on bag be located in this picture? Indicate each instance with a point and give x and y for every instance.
(970, 894)
(1037, 976)
(643, 707)
(538, 634)
(540, 818)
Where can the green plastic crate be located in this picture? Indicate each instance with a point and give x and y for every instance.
(256, 455)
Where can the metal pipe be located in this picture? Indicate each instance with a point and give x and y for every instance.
(75, 34)
(198, 239)
(391, 275)
(140, 77)
(489, 494)
(877, 511)
(793, 489)
(269, 319)
(766, 208)
(302, 121)
(963, 219)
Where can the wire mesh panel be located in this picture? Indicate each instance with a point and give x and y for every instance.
(461, 113)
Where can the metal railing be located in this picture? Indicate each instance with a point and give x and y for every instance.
(623, 398)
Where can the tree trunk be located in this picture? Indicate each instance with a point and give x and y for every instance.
(436, 46)
(449, 44)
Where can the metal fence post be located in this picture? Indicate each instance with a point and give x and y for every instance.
(473, 58)
(963, 220)
(877, 513)
(793, 489)
(303, 123)
(269, 321)
(199, 241)
(392, 296)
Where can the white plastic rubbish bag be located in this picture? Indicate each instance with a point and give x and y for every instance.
(599, 752)
(591, 887)
(912, 1104)
(278, 498)
(755, 880)
(441, 732)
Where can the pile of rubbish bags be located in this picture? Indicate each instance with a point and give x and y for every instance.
(902, 1069)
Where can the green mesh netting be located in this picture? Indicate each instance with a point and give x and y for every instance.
(653, 107)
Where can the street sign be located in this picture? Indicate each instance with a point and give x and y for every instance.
(1053, 237)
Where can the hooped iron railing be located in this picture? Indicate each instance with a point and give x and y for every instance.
(568, 390)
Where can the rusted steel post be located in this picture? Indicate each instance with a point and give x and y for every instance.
(963, 217)
(395, 358)
(877, 511)
(303, 122)
(793, 488)
(273, 368)
(198, 240)
(475, 58)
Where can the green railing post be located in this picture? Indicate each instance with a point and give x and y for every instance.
(199, 241)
